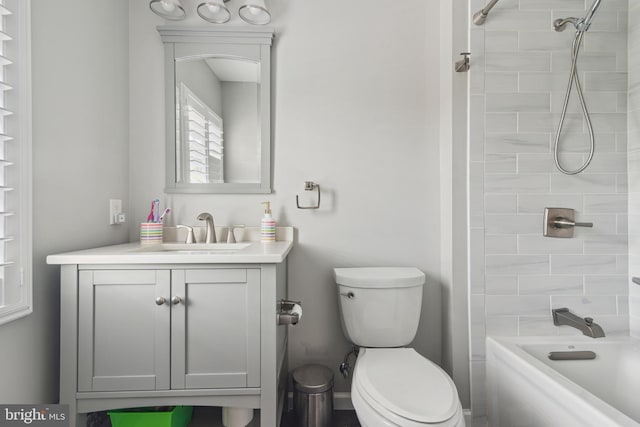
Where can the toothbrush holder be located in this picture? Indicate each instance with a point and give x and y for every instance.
(150, 233)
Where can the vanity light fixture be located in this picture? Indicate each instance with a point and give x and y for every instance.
(254, 12)
(168, 9)
(214, 11)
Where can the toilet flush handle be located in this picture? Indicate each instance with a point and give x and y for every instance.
(349, 295)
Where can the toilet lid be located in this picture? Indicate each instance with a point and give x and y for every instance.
(407, 384)
(379, 277)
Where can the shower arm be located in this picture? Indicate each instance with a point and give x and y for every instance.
(480, 16)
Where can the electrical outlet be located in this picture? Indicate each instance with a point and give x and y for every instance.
(115, 208)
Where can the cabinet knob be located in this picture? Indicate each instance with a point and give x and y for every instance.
(176, 300)
(160, 300)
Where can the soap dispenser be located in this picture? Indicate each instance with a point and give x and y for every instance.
(267, 226)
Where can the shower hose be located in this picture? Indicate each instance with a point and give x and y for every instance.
(574, 79)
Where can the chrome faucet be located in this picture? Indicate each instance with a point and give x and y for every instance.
(211, 229)
(562, 316)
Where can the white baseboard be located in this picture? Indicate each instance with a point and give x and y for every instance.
(467, 417)
(341, 401)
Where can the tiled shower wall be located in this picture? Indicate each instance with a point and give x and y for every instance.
(634, 164)
(519, 73)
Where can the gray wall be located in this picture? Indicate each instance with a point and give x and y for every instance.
(80, 158)
(355, 109)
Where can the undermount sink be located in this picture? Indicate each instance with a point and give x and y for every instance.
(195, 247)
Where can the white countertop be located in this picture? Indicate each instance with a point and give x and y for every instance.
(135, 253)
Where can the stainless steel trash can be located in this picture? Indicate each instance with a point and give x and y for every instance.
(313, 396)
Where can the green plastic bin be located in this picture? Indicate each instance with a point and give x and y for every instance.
(179, 416)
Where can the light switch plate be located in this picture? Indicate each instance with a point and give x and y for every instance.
(115, 208)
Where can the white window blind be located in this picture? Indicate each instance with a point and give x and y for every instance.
(15, 161)
(203, 150)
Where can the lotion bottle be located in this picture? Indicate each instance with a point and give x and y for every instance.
(267, 226)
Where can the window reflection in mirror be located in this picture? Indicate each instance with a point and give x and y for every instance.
(217, 121)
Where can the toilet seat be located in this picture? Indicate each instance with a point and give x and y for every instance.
(405, 388)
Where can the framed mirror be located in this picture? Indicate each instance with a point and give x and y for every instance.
(218, 115)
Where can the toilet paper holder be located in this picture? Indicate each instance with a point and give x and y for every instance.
(288, 312)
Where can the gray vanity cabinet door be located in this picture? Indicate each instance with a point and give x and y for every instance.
(123, 330)
(215, 328)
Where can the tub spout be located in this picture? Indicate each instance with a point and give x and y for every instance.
(562, 316)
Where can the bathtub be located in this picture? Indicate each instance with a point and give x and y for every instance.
(526, 389)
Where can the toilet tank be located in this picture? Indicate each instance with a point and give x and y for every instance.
(380, 306)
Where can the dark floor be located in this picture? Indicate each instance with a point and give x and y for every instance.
(212, 417)
(340, 419)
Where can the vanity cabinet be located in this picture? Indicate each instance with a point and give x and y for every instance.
(200, 328)
(135, 333)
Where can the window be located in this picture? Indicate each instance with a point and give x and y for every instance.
(203, 152)
(15, 160)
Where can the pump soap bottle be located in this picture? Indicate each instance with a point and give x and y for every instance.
(267, 226)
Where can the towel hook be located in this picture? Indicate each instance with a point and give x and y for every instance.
(309, 186)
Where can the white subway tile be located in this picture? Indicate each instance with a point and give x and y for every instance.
(589, 61)
(517, 143)
(586, 306)
(605, 203)
(502, 285)
(500, 203)
(546, 245)
(535, 203)
(606, 244)
(537, 325)
(501, 82)
(548, 122)
(539, 40)
(550, 285)
(608, 163)
(517, 183)
(512, 224)
(509, 305)
(513, 19)
(501, 122)
(501, 41)
(583, 183)
(500, 163)
(575, 5)
(518, 264)
(583, 264)
(530, 61)
(501, 244)
(605, 82)
(609, 122)
(519, 102)
(606, 285)
(504, 326)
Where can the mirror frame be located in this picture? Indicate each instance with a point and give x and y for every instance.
(245, 43)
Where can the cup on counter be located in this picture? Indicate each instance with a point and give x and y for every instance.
(150, 233)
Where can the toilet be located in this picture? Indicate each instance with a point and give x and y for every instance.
(392, 385)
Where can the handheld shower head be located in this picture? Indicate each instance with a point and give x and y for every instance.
(581, 24)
